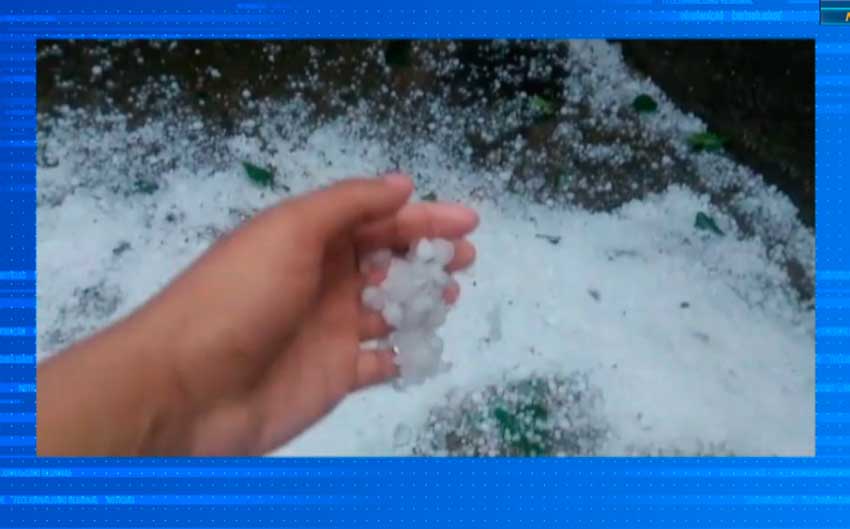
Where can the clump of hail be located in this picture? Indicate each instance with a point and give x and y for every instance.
(411, 301)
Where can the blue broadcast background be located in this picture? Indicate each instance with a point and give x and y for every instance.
(721, 492)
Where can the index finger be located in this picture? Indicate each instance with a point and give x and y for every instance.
(348, 203)
(423, 220)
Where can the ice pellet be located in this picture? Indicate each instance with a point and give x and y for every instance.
(393, 314)
(376, 260)
(444, 251)
(424, 250)
(410, 300)
(373, 298)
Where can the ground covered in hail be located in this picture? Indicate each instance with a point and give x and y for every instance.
(636, 290)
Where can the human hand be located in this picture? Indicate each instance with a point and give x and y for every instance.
(262, 335)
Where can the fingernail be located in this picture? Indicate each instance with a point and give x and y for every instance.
(397, 179)
(460, 213)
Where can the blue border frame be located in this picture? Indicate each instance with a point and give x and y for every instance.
(812, 492)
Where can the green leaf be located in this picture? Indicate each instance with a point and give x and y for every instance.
(704, 222)
(430, 197)
(514, 432)
(542, 105)
(644, 104)
(145, 186)
(506, 420)
(518, 422)
(263, 177)
(553, 239)
(706, 141)
(536, 411)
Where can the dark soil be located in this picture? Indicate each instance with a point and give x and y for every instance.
(759, 94)
(263, 68)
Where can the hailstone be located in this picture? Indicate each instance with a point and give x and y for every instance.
(410, 299)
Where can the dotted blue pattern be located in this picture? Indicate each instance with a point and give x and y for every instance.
(248, 492)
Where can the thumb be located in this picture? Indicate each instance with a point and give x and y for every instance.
(349, 203)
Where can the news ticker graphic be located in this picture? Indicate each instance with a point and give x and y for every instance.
(835, 12)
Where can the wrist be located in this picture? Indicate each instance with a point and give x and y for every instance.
(105, 395)
(164, 416)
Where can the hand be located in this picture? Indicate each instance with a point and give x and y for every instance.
(261, 336)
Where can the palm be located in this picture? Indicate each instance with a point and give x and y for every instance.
(319, 367)
(307, 363)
